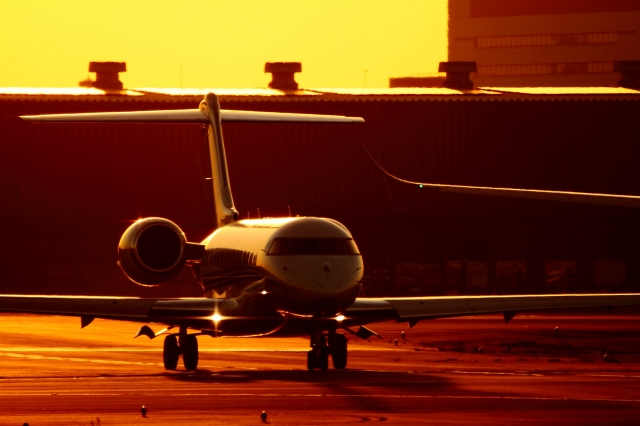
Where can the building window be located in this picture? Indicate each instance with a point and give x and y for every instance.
(545, 69)
(546, 40)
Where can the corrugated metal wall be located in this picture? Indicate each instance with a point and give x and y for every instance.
(68, 190)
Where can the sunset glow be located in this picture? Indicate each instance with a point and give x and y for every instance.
(201, 43)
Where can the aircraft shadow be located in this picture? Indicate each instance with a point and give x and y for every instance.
(366, 390)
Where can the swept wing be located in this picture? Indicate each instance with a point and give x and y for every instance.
(362, 311)
(167, 311)
(414, 309)
(537, 194)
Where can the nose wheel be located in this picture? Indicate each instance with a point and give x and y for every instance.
(184, 344)
(318, 356)
(339, 352)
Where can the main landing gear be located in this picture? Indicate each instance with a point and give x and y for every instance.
(324, 345)
(182, 344)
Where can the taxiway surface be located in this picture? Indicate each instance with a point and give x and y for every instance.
(464, 371)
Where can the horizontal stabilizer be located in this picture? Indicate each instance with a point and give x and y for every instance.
(193, 116)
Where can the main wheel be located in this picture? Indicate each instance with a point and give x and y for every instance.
(190, 352)
(339, 352)
(311, 360)
(170, 352)
(323, 358)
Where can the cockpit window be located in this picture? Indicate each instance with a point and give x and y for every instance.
(336, 246)
(305, 246)
(280, 246)
(313, 246)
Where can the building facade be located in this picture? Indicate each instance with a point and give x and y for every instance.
(544, 43)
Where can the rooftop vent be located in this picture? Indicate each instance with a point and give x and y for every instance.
(458, 74)
(428, 81)
(282, 74)
(106, 75)
(629, 74)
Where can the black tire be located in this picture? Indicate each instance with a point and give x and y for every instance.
(339, 352)
(323, 358)
(190, 352)
(311, 360)
(170, 352)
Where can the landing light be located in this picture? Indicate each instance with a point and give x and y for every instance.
(264, 292)
(340, 318)
(216, 317)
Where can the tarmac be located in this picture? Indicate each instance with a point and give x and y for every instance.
(461, 371)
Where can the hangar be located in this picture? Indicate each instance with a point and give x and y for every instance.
(70, 190)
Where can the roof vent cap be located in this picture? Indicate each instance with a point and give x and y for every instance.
(106, 75)
(458, 74)
(629, 74)
(282, 74)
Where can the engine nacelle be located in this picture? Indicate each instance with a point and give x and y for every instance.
(152, 251)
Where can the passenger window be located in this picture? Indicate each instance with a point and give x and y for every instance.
(280, 246)
(306, 246)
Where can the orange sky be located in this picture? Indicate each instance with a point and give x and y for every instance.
(221, 43)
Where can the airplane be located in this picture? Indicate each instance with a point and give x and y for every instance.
(289, 276)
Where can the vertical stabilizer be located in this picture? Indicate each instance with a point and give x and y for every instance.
(224, 209)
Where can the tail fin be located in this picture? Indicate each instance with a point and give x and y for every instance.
(225, 211)
(209, 113)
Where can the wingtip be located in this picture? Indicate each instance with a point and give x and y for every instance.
(31, 117)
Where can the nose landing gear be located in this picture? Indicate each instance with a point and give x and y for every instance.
(183, 344)
(322, 346)
(339, 352)
(318, 356)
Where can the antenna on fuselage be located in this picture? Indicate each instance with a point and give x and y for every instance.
(224, 210)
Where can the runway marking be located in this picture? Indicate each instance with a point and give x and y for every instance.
(497, 373)
(545, 374)
(324, 395)
(111, 349)
(159, 349)
(99, 361)
(610, 375)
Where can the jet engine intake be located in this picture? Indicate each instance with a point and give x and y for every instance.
(152, 251)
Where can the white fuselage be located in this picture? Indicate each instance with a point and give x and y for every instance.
(308, 266)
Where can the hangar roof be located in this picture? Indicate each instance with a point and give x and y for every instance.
(321, 94)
